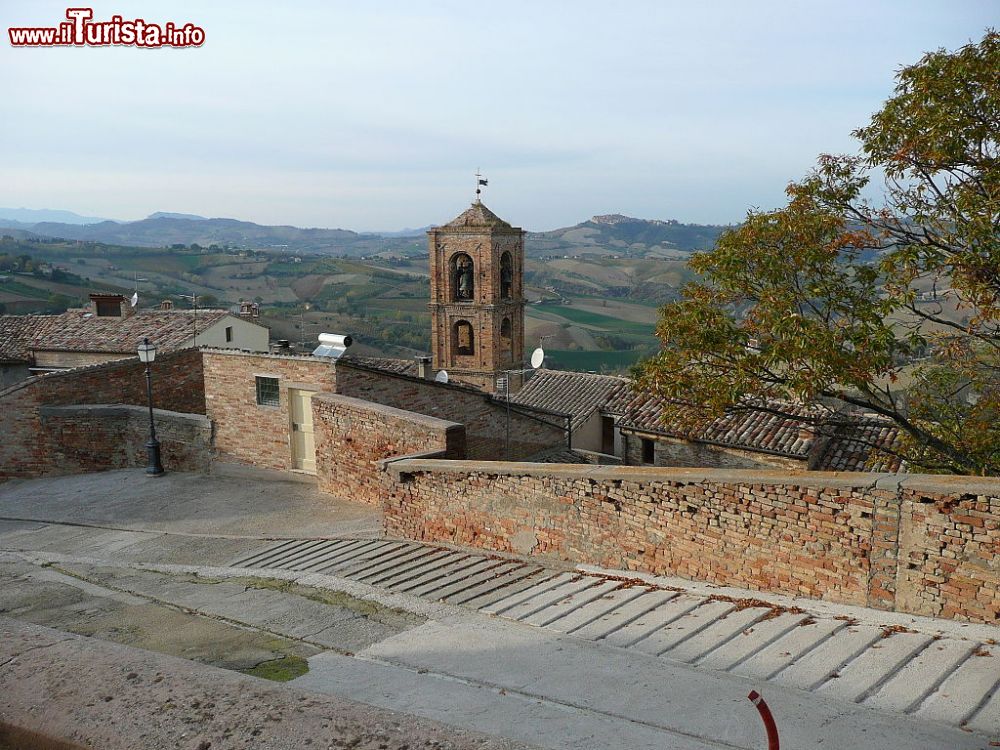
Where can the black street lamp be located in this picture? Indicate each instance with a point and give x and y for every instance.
(147, 353)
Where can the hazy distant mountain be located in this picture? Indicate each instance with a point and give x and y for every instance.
(169, 215)
(159, 231)
(607, 234)
(29, 216)
(617, 234)
(407, 232)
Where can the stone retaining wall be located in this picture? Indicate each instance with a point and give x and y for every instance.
(353, 437)
(105, 437)
(28, 450)
(920, 544)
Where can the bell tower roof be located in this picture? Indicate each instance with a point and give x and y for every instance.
(477, 215)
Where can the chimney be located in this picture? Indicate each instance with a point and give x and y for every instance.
(111, 306)
(249, 309)
(424, 369)
(167, 304)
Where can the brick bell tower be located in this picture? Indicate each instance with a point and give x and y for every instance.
(477, 298)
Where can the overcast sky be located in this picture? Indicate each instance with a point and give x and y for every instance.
(375, 115)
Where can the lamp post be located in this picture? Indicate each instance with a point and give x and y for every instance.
(147, 353)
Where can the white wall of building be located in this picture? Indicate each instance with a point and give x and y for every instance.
(251, 337)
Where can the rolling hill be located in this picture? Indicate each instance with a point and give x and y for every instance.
(605, 235)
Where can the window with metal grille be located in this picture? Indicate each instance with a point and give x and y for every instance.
(267, 392)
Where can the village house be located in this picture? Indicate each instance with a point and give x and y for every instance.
(111, 328)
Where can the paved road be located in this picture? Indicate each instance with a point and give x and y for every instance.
(556, 657)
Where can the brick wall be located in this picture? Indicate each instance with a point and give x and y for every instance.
(354, 436)
(484, 419)
(26, 449)
(487, 309)
(248, 432)
(923, 545)
(104, 437)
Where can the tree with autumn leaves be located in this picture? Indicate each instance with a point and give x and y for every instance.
(887, 307)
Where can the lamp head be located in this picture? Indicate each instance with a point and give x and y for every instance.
(147, 351)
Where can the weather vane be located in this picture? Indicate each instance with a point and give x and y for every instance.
(481, 182)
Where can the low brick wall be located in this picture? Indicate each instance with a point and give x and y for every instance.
(919, 544)
(485, 419)
(24, 451)
(354, 437)
(104, 437)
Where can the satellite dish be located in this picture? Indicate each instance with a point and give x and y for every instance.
(441, 377)
(537, 357)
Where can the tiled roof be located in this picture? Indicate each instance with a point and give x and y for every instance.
(850, 447)
(746, 428)
(402, 366)
(17, 332)
(575, 393)
(558, 456)
(478, 215)
(861, 447)
(82, 331)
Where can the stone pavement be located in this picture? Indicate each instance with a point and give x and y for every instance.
(929, 668)
(91, 693)
(552, 656)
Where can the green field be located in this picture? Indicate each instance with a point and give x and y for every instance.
(604, 322)
(592, 361)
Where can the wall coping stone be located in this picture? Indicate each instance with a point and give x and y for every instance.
(384, 463)
(269, 355)
(117, 410)
(822, 479)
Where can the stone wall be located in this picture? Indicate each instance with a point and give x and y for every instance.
(27, 450)
(104, 437)
(925, 545)
(354, 437)
(244, 430)
(673, 452)
(484, 418)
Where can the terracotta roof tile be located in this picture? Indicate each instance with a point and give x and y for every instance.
(558, 456)
(81, 330)
(478, 215)
(862, 447)
(746, 428)
(17, 333)
(576, 393)
(402, 366)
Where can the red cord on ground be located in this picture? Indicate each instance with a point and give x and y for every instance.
(765, 714)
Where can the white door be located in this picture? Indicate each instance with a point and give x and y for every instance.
(303, 441)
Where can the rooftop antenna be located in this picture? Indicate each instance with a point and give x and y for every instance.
(135, 292)
(194, 318)
(481, 182)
